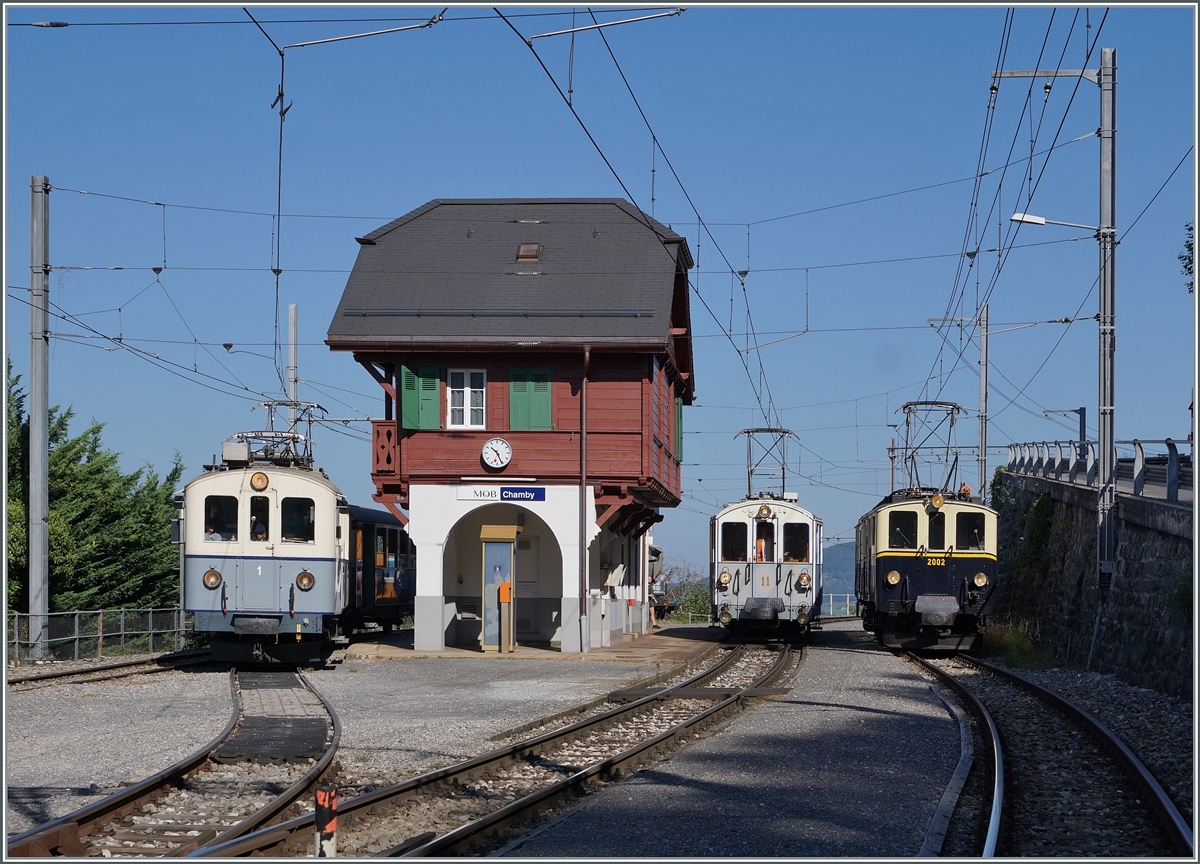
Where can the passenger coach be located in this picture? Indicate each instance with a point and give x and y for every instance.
(925, 568)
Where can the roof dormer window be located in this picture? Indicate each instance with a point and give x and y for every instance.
(529, 252)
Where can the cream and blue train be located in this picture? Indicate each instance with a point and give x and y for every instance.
(277, 565)
(765, 566)
(925, 568)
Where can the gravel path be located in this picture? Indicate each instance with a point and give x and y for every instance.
(403, 717)
(852, 763)
(69, 744)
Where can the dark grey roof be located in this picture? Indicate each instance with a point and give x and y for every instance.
(448, 273)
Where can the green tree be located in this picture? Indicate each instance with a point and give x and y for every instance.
(1185, 257)
(17, 466)
(687, 587)
(109, 532)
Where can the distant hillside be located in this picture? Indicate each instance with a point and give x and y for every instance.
(838, 570)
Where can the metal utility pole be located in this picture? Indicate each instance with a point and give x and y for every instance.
(1107, 477)
(1082, 412)
(892, 471)
(983, 396)
(39, 413)
(291, 369)
(1106, 78)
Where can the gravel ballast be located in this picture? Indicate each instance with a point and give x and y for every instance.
(852, 762)
(66, 745)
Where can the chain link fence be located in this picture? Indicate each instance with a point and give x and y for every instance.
(98, 633)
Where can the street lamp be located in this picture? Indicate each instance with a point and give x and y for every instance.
(1030, 219)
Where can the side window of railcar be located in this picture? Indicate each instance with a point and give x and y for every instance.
(296, 517)
(220, 514)
(902, 529)
(260, 512)
(795, 543)
(937, 530)
(968, 531)
(733, 541)
(764, 542)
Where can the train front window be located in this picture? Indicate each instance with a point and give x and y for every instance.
(220, 514)
(937, 530)
(795, 543)
(764, 542)
(260, 518)
(733, 541)
(296, 518)
(902, 529)
(969, 531)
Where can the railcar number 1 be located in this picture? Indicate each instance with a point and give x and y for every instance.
(937, 562)
(766, 581)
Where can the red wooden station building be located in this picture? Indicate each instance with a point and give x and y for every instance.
(535, 356)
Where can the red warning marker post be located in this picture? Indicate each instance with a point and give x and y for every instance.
(326, 821)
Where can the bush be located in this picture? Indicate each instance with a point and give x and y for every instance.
(1015, 647)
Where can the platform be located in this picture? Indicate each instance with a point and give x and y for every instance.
(669, 644)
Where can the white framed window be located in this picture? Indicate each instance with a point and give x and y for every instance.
(466, 398)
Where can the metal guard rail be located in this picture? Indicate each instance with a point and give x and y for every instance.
(1035, 459)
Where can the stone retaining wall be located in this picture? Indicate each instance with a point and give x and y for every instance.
(1047, 585)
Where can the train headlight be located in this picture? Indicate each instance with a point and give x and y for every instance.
(893, 578)
(764, 512)
(980, 580)
(725, 615)
(212, 580)
(305, 581)
(724, 579)
(805, 580)
(937, 501)
(258, 482)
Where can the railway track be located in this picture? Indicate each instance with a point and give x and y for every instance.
(107, 671)
(477, 805)
(278, 744)
(1069, 786)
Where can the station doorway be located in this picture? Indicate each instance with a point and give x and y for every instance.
(538, 591)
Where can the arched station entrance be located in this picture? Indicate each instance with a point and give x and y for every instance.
(539, 576)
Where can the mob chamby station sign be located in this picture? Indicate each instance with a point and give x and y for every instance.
(512, 494)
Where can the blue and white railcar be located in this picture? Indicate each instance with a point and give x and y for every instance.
(276, 564)
(765, 566)
(265, 563)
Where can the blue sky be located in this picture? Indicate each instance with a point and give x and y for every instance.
(762, 112)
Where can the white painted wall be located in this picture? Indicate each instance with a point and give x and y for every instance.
(434, 510)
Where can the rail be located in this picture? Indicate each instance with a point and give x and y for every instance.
(987, 727)
(281, 839)
(1173, 821)
(1075, 462)
(86, 634)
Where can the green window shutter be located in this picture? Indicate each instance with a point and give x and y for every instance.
(518, 399)
(540, 408)
(429, 398)
(678, 430)
(408, 399)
